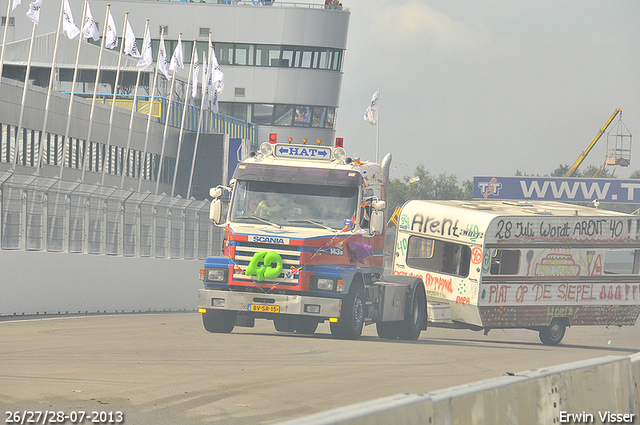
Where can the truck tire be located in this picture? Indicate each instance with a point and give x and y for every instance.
(351, 321)
(219, 321)
(553, 334)
(305, 326)
(284, 325)
(388, 330)
(412, 325)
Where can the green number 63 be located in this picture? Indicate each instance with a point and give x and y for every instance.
(262, 265)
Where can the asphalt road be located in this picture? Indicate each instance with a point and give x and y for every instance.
(166, 369)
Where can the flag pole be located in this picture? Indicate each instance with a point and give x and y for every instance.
(166, 122)
(153, 93)
(4, 38)
(378, 130)
(204, 89)
(95, 94)
(73, 88)
(24, 98)
(49, 89)
(184, 114)
(113, 103)
(134, 108)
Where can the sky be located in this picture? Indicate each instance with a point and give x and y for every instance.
(489, 88)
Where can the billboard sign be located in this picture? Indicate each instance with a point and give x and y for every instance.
(562, 189)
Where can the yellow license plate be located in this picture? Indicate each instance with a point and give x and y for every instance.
(264, 308)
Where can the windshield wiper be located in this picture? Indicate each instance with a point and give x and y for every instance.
(258, 219)
(314, 222)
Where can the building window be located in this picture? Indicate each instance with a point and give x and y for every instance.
(284, 115)
(305, 62)
(262, 114)
(267, 55)
(224, 53)
(204, 32)
(244, 54)
(12, 21)
(302, 117)
(318, 117)
(330, 120)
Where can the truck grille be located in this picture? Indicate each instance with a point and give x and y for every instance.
(290, 258)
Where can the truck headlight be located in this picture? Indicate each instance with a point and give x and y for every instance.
(325, 284)
(216, 275)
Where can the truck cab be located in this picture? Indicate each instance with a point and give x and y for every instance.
(303, 244)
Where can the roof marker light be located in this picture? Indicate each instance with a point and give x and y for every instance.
(304, 140)
(339, 142)
(273, 138)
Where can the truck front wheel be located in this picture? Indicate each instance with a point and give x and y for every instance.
(305, 326)
(219, 321)
(351, 321)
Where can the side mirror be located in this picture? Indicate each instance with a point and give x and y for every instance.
(379, 205)
(215, 192)
(215, 210)
(376, 225)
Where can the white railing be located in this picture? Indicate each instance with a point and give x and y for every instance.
(45, 214)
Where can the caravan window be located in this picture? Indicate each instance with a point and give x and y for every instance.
(623, 261)
(505, 261)
(438, 256)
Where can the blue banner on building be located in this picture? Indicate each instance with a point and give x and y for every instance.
(556, 189)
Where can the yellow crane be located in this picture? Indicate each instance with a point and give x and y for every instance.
(584, 153)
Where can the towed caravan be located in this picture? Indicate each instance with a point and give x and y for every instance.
(542, 266)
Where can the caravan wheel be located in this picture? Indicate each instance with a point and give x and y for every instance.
(553, 334)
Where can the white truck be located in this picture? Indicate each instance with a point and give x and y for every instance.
(542, 266)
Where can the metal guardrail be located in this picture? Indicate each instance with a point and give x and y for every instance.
(47, 214)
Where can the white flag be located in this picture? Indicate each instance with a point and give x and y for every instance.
(162, 58)
(214, 106)
(218, 80)
(208, 74)
(16, 3)
(176, 58)
(371, 114)
(34, 11)
(215, 77)
(90, 29)
(146, 59)
(68, 24)
(130, 47)
(111, 40)
(196, 70)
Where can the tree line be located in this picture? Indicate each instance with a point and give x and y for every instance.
(424, 185)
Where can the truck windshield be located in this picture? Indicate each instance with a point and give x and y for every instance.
(288, 204)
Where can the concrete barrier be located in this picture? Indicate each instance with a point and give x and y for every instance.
(599, 391)
(37, 282)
